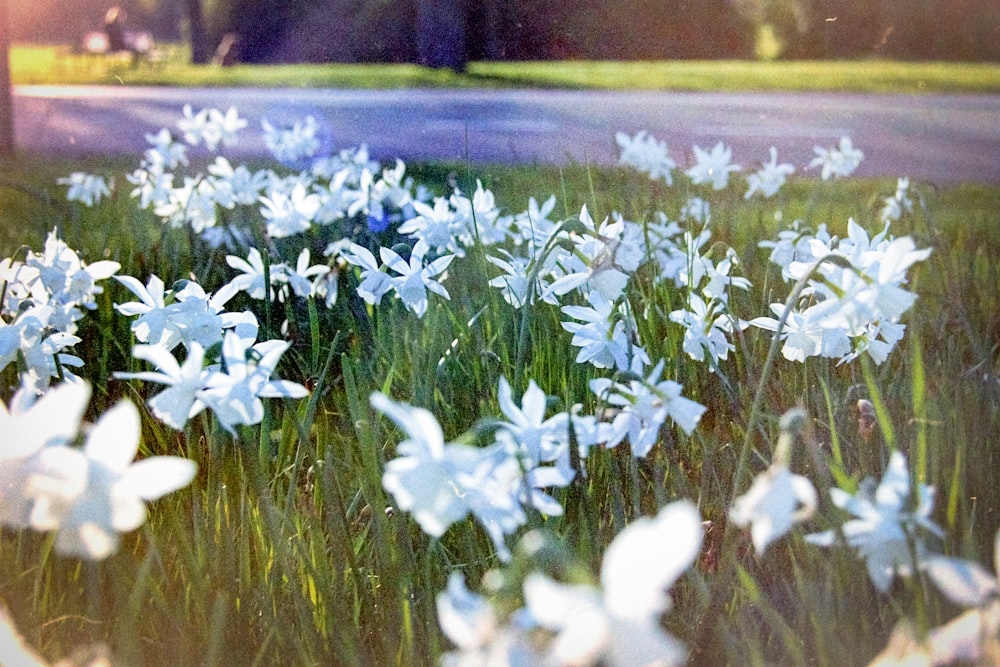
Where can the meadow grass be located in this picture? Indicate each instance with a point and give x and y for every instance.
(41, 64)
(282, 551)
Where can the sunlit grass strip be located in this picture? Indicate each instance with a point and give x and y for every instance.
(31, 64)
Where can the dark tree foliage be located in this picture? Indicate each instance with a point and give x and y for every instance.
(452, 32)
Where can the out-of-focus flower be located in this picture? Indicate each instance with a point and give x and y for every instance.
(291, 144)
(88, 189)
(466, 619)
(644, 153)
(769, 178)
(211, 126)
(29, 426)
(712, 166)
(619, 625)
(899, 204)
(289, 214)
(776, 501)
(90, 495)
(839, 162)
(886, 531)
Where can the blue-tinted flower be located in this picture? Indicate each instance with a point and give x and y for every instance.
(644, 153)
(712, 166)
(839, 162)
(769, 178)
(887, 529)
(291, 144)
(88, 189)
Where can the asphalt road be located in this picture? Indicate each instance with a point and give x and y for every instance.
(938, 138)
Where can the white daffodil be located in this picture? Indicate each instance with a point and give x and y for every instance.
(885, 531)
(776, 501)
(29, 426)
(375, 283)
(179, 402)
(88, 189)
(415, 279)
(712, 166)
(90, 495)
(644, 407)
(619, 625)
(234, 394)
(644, 153)
(537, 438)
(769, 178)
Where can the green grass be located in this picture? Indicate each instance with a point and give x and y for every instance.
(290, 559)
(59, 65)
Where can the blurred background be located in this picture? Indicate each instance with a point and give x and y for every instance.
(450, 33)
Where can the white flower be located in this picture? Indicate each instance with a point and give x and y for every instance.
(234, 394)
(513, 283)
(90, 495)
(88, 189)
(415, 279)
(304, 278)
(465, 618)
(646, 154)
(178, 403)
(838, 162)
(537, 438)
(776, 501)
(712, 167)
(619, 625)
(885, 531)
(705, 329)
(375, 283)
(602, 337)
(424, 478)
(769, 178)
(290, 144)
(153, 324)
(29, 426)
(289, 214)
(644, 407)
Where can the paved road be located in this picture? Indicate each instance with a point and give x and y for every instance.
(939, 138)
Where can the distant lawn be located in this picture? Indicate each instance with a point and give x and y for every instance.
(32, 64)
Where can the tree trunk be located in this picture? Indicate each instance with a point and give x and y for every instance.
(442, 33)
(6, 103)
(196, 25)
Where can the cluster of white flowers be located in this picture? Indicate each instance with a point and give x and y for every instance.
(851, 302)
(187, 316)
(44, 297)
(853, 296)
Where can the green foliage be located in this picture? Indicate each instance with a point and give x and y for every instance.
(58, 65)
